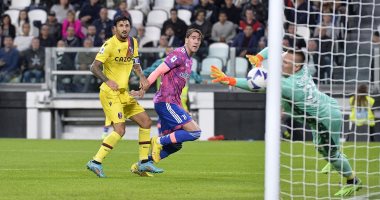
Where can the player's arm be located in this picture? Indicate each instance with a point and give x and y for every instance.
(257, 59)
(96, 69)
(160, 70)
(219, 77)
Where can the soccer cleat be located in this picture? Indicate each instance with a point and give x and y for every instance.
(149, 167)
(156, 149)
(96, 168)
(327, 168)
(135, 170)
(349, 189)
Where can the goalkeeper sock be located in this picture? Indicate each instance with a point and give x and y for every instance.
(342, 165)
(144, 144)
(108, 143)
(179, 136)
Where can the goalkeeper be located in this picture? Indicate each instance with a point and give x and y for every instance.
(300, 98)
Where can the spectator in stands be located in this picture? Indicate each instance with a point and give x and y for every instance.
(325, 50)
(9, 60)
(8, 28)
(140, 37)
(45, 39)
(250, 20)
(223, 30)
(123, 10)
(89, 12)
(299, 13)
(1, 38)
(33, 69)
(22, 18)
(173, 40)
(246, 42)
(327, 23)
(313, 57)
(22, 42)
(179, 25)
(103, 25)
(91, 35)
(55, 28)
(233, 13)
(143, 6)
(61, 10)
(203, 25)
(211, 10)
(64, 62)
(295, 41)
(83, 61)
(186, 4)
(70, 21)
(261, 12)
(71, 39)
(376, 37)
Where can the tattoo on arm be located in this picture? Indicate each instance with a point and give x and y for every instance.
(137, 69)
(96, 69)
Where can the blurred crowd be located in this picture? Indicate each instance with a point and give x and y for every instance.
(238, 23)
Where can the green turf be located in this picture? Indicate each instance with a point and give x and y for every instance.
(55, 169)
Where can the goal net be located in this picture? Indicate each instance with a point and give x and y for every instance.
(341, 42)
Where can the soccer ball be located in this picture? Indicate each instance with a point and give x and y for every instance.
(257, 78)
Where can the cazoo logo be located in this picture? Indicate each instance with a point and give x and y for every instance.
(123, 59)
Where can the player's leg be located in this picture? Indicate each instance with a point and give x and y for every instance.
(145, 123)
(175, 118)
(114, 114)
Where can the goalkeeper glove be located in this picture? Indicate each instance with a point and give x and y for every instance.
(219, 77)
(255, 60)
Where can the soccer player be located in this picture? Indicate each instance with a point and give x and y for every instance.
(300, 97)
(177, 125)
(119, 55)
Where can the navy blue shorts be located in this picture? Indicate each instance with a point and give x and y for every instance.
(172, 116)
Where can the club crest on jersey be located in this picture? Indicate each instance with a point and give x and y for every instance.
(119, 115)
(184, 75)
(173, 59)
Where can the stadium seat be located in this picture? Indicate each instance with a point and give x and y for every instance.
(206, 66)
(220, 50)
(163, 5)
(20, 4)
(185, 15)
(304, 32)
(137, 17)
(111, 14)
(153, 33)
(13, 14)
(241, 67)
(156, 18)
(36, 15)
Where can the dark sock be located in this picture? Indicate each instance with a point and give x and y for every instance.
(96, 162)
(352, 181)
(145, 161)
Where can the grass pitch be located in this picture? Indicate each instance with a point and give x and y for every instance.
(55, 169)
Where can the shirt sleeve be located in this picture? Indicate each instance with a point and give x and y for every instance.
(173, 60)
(104, 52)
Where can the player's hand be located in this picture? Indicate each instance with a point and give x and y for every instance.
(144, 84)
(112, 84)
(219, 77)
(255, 60)
(139, 94)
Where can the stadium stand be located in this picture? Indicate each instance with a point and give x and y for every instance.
(13, 14)
(34, 16)
(20, 4)
(206, 66)
(137, 17)
(156, 18)
(185, 15)
(111, 14)
(240, 67)
(220, 50)
(153, 32)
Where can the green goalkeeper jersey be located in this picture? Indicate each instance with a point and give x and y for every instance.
(302, 100)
